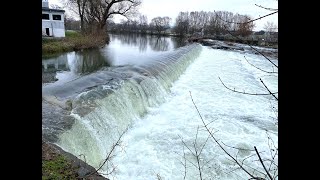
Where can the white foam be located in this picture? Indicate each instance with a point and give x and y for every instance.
(152, 144)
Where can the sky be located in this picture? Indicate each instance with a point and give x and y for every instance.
(171, 8)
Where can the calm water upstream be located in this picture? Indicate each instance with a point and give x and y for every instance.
(143, 83)
(123, 49)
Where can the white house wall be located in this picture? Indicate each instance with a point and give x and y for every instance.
(56, 25)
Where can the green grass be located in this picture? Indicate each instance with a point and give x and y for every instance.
(58, 168)
(72, 41)
(72, 34)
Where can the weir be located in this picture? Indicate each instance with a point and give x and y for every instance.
(85, 116)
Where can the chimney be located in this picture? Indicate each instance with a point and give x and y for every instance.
(45, 4)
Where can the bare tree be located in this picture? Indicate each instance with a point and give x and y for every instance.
(182, 24)
(160, 24)
(70, 23)
(97, 12)
(201, 23)
(78, 7)
(143, 23)
(270, 27)
(102, 10)
(244, 29)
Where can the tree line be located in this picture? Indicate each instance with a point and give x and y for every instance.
(186, 24)
(212, 23)
(189, 24)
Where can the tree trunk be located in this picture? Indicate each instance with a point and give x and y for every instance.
(82, 24)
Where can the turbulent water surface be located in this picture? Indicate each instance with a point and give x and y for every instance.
(152, 99)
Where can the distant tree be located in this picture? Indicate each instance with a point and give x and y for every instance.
(243, 28)
(161, 24)
(270, 27)
(182, 24)
(70, 23)
(96, 12)
(143, 23)
(102, 10)
(197, 21)
(78, 7)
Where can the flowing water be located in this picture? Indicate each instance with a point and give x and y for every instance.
(151, 99)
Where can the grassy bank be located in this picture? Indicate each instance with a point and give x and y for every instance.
(60, 165)
(72, 42)
(55, 165)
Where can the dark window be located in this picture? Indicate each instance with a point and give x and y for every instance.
(56, 17)
(45, 16)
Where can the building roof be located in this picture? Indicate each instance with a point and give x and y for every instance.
(52, 10)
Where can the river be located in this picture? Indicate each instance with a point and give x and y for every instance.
(146, 88)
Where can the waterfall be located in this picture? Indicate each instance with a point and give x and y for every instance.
(105, 103)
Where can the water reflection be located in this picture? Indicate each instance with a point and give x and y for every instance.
(145, 42)
(86, 61)
(123, 49)
(135, 49)
(132, 40)
(159, 44)
(178, 42)
(77, 63)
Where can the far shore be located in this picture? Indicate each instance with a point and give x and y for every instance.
(72, 42)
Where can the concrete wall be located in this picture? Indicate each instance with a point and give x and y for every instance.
(45, 3)
(56, 25)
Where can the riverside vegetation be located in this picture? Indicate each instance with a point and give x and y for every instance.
(72, 42)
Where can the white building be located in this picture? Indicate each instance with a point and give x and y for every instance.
(52, 21)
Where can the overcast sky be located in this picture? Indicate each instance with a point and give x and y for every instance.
(171, 8)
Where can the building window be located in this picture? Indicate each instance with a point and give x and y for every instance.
(45, 16)
(56, 17)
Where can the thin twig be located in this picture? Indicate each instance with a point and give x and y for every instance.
(262, 163)
(237, 147)
(185, 164)
(217, 141)
(270, 9)
(268, 89)
(259, 68)
(251, 47)
(109, 156)
(259, 94)
(248, 44)
(247, 21)
(261, 17)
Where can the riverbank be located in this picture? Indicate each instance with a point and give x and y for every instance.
(72, 42)
(58, 164)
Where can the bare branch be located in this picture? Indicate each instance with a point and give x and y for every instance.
(109, 156)
(249, 44)
(218, 142)
(261, 94)
(247, 21)
(187, 146)
(246, 158)
(252, 47)
(185, 164)
(268, 90)
(262, 163)
(262, 17)
(270, 9)
(259, 68)
(237, 148)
